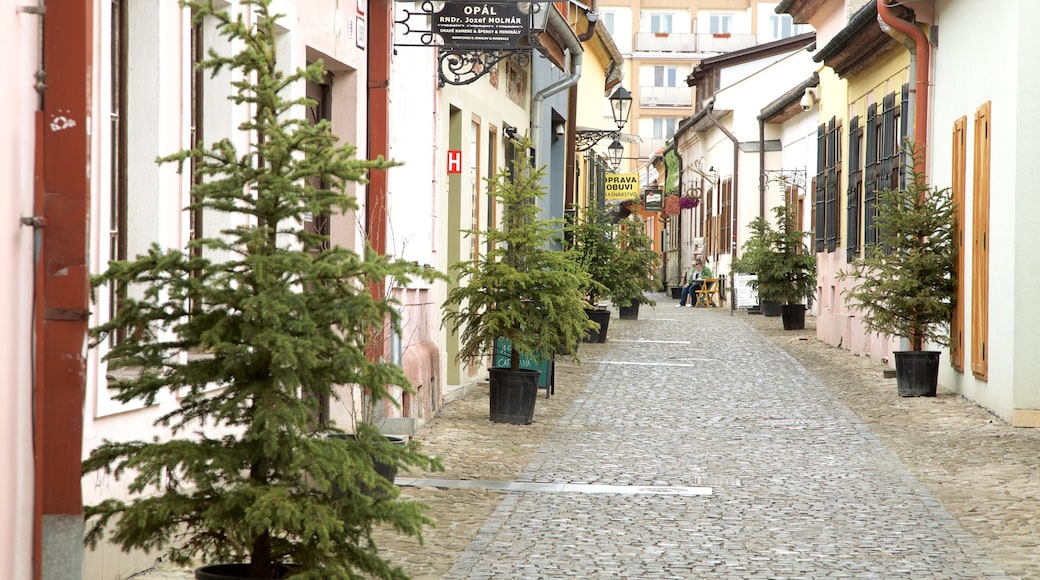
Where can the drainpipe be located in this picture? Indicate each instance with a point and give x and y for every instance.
(920, 93)
(572, 115)
(761, 168)
(708, 112)
(574, 48)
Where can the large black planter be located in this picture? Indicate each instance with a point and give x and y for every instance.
(513, 394)
(233, 571)
(677, 292)
(629, 312)
(917, 372)
(770, 308)
(387, 471)
(793, 316)
(602, 318)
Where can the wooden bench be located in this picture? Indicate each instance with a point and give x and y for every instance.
(708, 294)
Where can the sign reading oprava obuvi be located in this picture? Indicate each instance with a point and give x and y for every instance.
(481, 25)
(620, 186)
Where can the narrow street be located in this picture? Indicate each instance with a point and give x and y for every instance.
(696, 443)
(708, 444)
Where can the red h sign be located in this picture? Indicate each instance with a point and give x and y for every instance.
(454, 161)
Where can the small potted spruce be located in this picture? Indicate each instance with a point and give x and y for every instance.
(252, 329)
(592, 239)
(904, 285)
(785, 269)
(634, 268)
(521, 291)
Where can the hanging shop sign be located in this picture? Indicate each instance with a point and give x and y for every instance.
(481, 25)
(620, 186)
(653, 199)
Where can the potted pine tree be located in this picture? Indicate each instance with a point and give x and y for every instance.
(252, 329)
(634, 268)
(785, 268)
(904, 284)
(521, 290)
(593, 242)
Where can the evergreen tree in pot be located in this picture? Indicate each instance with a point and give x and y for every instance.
(785, 268)
(904, 285)
(592, 239)
(522, 290)
(252, 329)
(753, 253)
(634, 268)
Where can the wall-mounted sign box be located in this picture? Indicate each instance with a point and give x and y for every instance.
(481, 25)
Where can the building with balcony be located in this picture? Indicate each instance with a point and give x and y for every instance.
(662, 40)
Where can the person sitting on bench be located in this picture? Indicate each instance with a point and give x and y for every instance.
(694, 279)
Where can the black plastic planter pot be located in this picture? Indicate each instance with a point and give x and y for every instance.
(629, 312)
(793, 316)
(917, 372)
(233, 571)
(601, 317)
(513, 394)
(770, 308)
(677, 292)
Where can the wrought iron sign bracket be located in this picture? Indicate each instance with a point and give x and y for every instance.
(460, 30)
(462, 67)
(585, 140)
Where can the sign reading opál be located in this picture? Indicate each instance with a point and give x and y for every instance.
(622, 186)
(465, 24)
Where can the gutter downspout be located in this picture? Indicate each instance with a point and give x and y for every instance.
(736, 173)
(572, 114)
(761, 168)
(920, 93)
(575, 50)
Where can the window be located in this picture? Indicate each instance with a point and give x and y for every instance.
(117, 189)
(321, 93)
(980, 246)
(665, 76)
(828, 163)
(664, 127)
(660, 23)
(781, 26)
(883, 167)
(473, 153)
(725, 243)
(720, 23)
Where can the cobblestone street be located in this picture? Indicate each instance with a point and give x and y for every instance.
(744, 451)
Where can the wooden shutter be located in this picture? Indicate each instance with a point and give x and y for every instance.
(818, 190)
(833, 171)
(870, 170)
(960, 153)
(904, 127)
(980, 246)
(855, 190)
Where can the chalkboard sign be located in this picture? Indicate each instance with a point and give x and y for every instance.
(503, 350)
(746, 295)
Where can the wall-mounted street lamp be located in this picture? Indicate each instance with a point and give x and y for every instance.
(474, 36)
(620, 108)
(614, 153)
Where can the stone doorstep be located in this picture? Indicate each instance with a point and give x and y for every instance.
(1026, 418)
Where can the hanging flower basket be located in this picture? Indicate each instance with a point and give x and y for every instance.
(687, 202)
